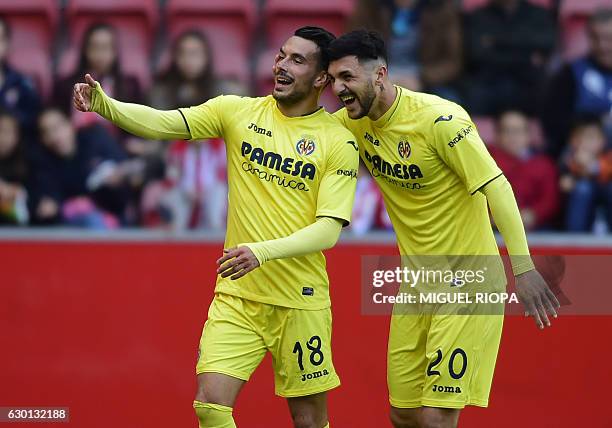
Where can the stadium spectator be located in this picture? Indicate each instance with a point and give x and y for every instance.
(194, 193)
(533, 176)
(398, 23)
(507, 45)
(13, 172)
(583, 86)
(17, 93)
(587, 176)
(403, 42)
(190, 79)
(99, 56)
(80, 176)
(369, 14)
(441, 48)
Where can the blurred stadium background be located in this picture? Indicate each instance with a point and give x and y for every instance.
(108, 242)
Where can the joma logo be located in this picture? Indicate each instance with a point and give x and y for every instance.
(314, 375)
(447, 389)
(259, 130)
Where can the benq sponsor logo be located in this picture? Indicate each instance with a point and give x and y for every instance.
(447, 389)
(461, 134)
(352, 173)
(259, 130)
(275, 161)
(314, 375)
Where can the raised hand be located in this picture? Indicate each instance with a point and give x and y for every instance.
(81, 95)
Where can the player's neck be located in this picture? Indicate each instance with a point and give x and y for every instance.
(301, 108)
(385, 100)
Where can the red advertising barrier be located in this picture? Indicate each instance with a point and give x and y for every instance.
(110, 331)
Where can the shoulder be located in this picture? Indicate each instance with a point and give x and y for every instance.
(237, 101)
(432, 112)
(336, 125)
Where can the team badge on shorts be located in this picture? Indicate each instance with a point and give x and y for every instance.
(404, 150)
(306, 145)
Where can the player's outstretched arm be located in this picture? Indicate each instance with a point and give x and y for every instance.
(318, 236)
(531, 288)
(139, 120)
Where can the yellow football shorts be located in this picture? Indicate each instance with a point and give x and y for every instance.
(239, 332)
(442, 361)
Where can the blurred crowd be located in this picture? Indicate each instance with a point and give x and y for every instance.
(546, 118)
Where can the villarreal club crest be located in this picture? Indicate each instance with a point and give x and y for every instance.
(306, 145)
(403, 148)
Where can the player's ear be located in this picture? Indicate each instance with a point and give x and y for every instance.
(381, 74)
(321, 80)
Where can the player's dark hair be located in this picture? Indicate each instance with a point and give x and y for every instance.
(364, 44)
(321, 37)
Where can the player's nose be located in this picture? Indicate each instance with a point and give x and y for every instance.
(337, 87)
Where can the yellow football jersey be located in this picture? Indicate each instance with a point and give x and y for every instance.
(283, 173)
(429, 161)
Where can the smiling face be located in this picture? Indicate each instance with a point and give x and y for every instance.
(297, 72)
(355, 84)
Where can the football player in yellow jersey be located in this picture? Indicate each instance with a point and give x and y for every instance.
(437, 178)
(292, 176)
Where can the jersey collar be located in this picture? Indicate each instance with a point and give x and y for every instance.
(280, 114)
(385, 118)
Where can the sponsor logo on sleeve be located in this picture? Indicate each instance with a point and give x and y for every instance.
(461, 134)
(351, 173)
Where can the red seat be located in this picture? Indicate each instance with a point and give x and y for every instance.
(283, 17)
(135, 21)
(33, 25)
(574, 40)
(228, 25)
